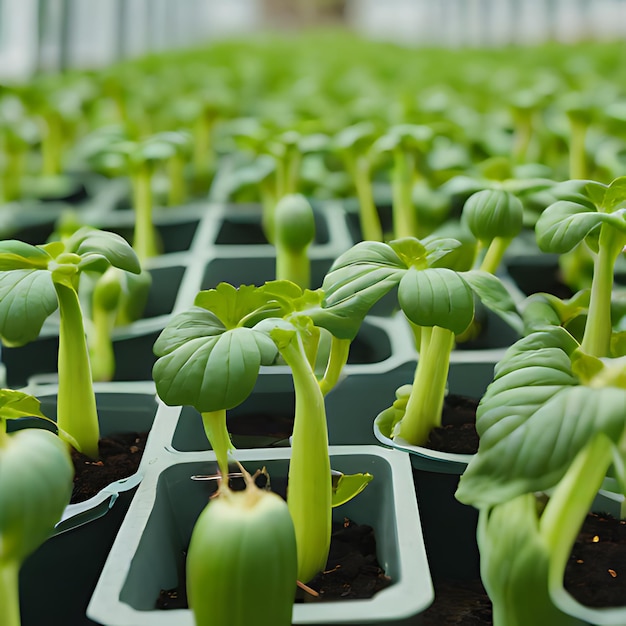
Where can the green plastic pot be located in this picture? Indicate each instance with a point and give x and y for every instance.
(122, 408)
(147, 552)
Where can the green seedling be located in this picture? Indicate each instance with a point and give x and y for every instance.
(551, 425)
(439, 303)
(210, 357)
(36, 474)
(34, 282)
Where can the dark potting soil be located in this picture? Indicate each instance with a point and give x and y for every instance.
(601, 541)
(120, 456)
(595, 575)
(458, 430)
(352, 571)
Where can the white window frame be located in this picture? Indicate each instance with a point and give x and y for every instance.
(19, 39)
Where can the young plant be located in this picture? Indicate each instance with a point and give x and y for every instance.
(36, 474)
(209, 358)
(353, 144)
(437, 301)
(34, 282)
(241, 538)
(596, 220)
(552, 422)
(407, 145)
(111, 151)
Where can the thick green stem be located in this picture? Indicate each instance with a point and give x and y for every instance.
(268, 203)
(144, 241)
(101, 344)
(310, 491)
(176, 170)
(523, 136)
(293, 265)
(597, 336)
(425, 405)
(493, 255)
(9, 593)
(514, 565)
(51, 146)
(371, 227)
(571, 500)
(12, 176)
(214, 423)
(403, 179)
(202, 148)
(76, 404)
(577, 151)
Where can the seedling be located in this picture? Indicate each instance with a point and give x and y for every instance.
(36, 474)
(34, 282)
(210, 357)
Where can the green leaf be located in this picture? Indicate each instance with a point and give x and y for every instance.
(27, 298)
(18, 255)
(15, 404)
(361, 276)
(111, 246)
(246, 304)
(608, 198)
(205, 365)
(535, 455)
(348, 486)
(565, 224)
(494, 295)
(436, 297)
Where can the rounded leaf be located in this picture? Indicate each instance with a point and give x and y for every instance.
(492, 213)
(294, 222)
(36, 475)
(436, 297)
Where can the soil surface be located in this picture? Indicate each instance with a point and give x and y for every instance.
(596, 571)
(458, 431)
(595, 575)
(352, 571)
(120, 456)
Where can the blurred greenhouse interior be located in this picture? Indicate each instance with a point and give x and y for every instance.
(48, 35)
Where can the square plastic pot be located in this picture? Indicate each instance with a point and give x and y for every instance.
(122, 408)
(147, 553)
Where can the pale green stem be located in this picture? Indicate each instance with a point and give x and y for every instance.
(371, 227)
(424, 408)
(12, 176)
(310, 491)
(9, 593)
(101, 344)
(515, 565)
(523, 136)
(402, 180)
(339, 351)
(176, 170)
(577, 151)
(76, 404)
(202, 150)
(293, 265)
(144, 241)
(598, 329)
(214, 423)
(268, 203)
(493, 255)
(51, 146)
(292, 173)
(571, 500)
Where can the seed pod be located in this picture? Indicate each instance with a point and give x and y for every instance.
(241, 565)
